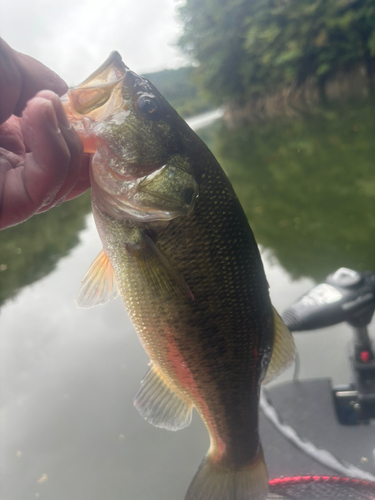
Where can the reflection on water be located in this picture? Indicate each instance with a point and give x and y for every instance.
(308, 188)
(68, 427)
(31, 250)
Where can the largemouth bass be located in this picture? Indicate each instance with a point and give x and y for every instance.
(178, 248)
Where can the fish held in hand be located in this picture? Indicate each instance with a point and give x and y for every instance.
(178, 249)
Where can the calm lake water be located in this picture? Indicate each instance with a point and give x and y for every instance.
(68, 426)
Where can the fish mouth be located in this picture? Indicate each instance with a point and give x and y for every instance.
(100, 95)
(108, 93)
(112, 70)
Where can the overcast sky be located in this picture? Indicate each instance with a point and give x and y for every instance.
(75, 36)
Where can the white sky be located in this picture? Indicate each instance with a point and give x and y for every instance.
(73, 37)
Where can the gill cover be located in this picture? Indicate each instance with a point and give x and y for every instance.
(165, 194)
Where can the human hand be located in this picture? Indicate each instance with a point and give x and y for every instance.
(41, 156)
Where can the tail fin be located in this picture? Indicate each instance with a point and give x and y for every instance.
(213, 482)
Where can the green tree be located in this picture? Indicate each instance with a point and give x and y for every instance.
(214, 35)
(247, 47)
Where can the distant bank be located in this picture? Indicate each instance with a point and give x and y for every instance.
(178, 87)
(342, 87)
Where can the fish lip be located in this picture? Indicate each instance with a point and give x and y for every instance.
(115, 60)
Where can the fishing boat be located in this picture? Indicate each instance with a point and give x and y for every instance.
(319, 438)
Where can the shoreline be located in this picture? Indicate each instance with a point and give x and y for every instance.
(308, 97)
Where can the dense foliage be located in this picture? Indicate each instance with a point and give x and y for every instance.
(247, 47)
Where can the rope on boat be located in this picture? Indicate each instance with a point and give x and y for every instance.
(322, 456)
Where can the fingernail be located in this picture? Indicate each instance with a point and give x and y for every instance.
(51, 118)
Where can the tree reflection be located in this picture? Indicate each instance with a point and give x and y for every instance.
(308, 187)
(31, 250)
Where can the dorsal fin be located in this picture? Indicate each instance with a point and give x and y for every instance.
(283, 349)
(99, 284)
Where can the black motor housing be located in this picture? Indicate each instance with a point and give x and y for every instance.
(345, 295)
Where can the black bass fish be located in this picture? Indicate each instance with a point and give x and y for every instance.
(178, 248)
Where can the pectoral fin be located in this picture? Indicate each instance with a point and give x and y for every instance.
(158, 271)
(160, 405)
(283, 349)
(99, 284)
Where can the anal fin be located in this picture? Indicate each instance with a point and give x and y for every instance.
(283, 349)
(160, 405)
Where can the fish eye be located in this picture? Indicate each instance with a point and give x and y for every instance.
(149, 106)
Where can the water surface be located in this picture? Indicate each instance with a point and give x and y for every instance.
(69, 429)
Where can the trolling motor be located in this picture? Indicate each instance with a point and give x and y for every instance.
(345, 295)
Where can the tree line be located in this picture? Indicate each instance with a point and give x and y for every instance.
(253, 47)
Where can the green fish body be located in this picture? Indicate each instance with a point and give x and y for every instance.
(178, 248)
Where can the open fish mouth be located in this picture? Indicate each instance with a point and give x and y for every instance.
(114, 111)
(100, 96)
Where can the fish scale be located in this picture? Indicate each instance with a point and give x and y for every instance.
(234, 328)
(178, 248)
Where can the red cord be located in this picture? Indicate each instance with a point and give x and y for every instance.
(290, 481)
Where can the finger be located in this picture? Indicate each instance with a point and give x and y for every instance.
(15, 204)
(21, 77)
(81, 186)
(36, 77)
(11, 137)
(39, 174)
(52, 171)
(74, 145)
(8, 161)
(10, 81)
(47, 165)
(83, 181)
